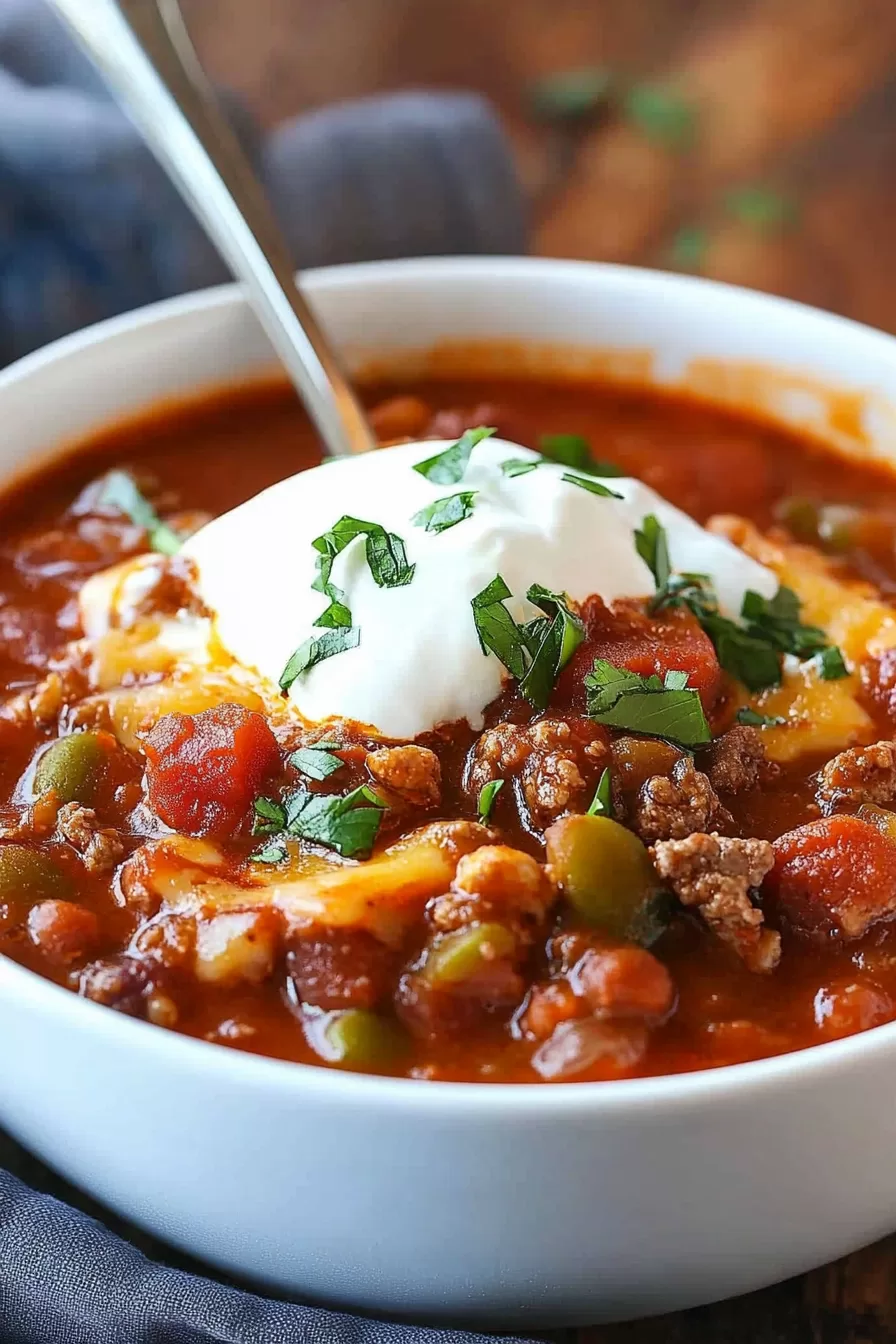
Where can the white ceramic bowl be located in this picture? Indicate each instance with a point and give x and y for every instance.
(514, 1204)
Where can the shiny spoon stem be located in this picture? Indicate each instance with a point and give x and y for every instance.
(142, 49)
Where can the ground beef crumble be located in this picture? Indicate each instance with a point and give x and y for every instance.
(101, 847)
(715, 874)
(555, 760)
(860, 775)
(736, 761)
(672, 807)
(411, 774)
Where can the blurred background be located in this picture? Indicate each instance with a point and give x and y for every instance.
(748, 140)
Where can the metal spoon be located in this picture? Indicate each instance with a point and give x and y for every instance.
(142, 49)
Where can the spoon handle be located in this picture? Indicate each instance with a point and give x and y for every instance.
(142, 49)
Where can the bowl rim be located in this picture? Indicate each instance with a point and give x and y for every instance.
(215, 1061)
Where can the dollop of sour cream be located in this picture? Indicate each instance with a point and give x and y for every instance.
(418, 661)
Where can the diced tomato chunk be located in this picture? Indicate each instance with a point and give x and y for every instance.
(835, 876)
(628, 636)
(204, 770)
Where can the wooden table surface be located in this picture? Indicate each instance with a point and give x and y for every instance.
(766, 156)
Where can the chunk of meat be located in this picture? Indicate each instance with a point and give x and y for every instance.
(341, 968)
(586, 1043)
(204, 770)
(736, 760)
(556, 760)
(834, 876)
(628, 636)
(715, 874)
(429, 1010)
(625, 982)
(860, 775)
(671, 807)
(495, 883)
(411, 774)
(123, 983)
(100, 847)
(64, 932)
(548, 1005)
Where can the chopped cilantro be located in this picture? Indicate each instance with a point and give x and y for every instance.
(120, 491)
(487, 795)
(496, 628)
(602, 802)
(536, 652)
(653, 548)
(756, 720)
(520, 466)
(550, 644)
(315, 649)
(831, 664)
(689, 247)
(274, 851)
(761, 207)
(777, 621)
(623, 699)
(347, 824)
(448, 467)
(588, 483)
(445, 513)
(316, 762)
(573, 450)
(270, 816)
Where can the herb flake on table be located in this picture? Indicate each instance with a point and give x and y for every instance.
(445, 513)
(120, 491)
(448, 467)
(646, 705)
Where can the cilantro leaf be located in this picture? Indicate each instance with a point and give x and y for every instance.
(315, 649)
(622, 699)
(588, 483)
(496, 628)
(120, 491)
(571, 96)
(347, 824)
(746, 657)
(270, 816)
(519, 466)
(831, 664)
(653, 548)
(445, 513)
(602, 802)
(487, 795)
(777, 621)
(756, 720)
(573, 450)
(555, 641)
(448, 467)
(386, 559)
(662, 115)
(316, 762)
(274, 851)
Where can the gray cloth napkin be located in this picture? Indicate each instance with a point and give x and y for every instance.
(90, 227)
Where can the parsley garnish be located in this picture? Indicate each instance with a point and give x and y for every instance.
(347, 824)
(315, 649)
(622, 699)
(317, 762)
(448, 467)
(602, 802)
(571, 95)
(653, 548)
(588, 483)
(274, 851)
(757, 720)
(831, 665)
(536, 652)
(445, 513)
(520, 466)
(386, 556)
(551, 641)
(487, 795)
(573, 450)
(662, 115)
(750, 652)
(120, 491)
